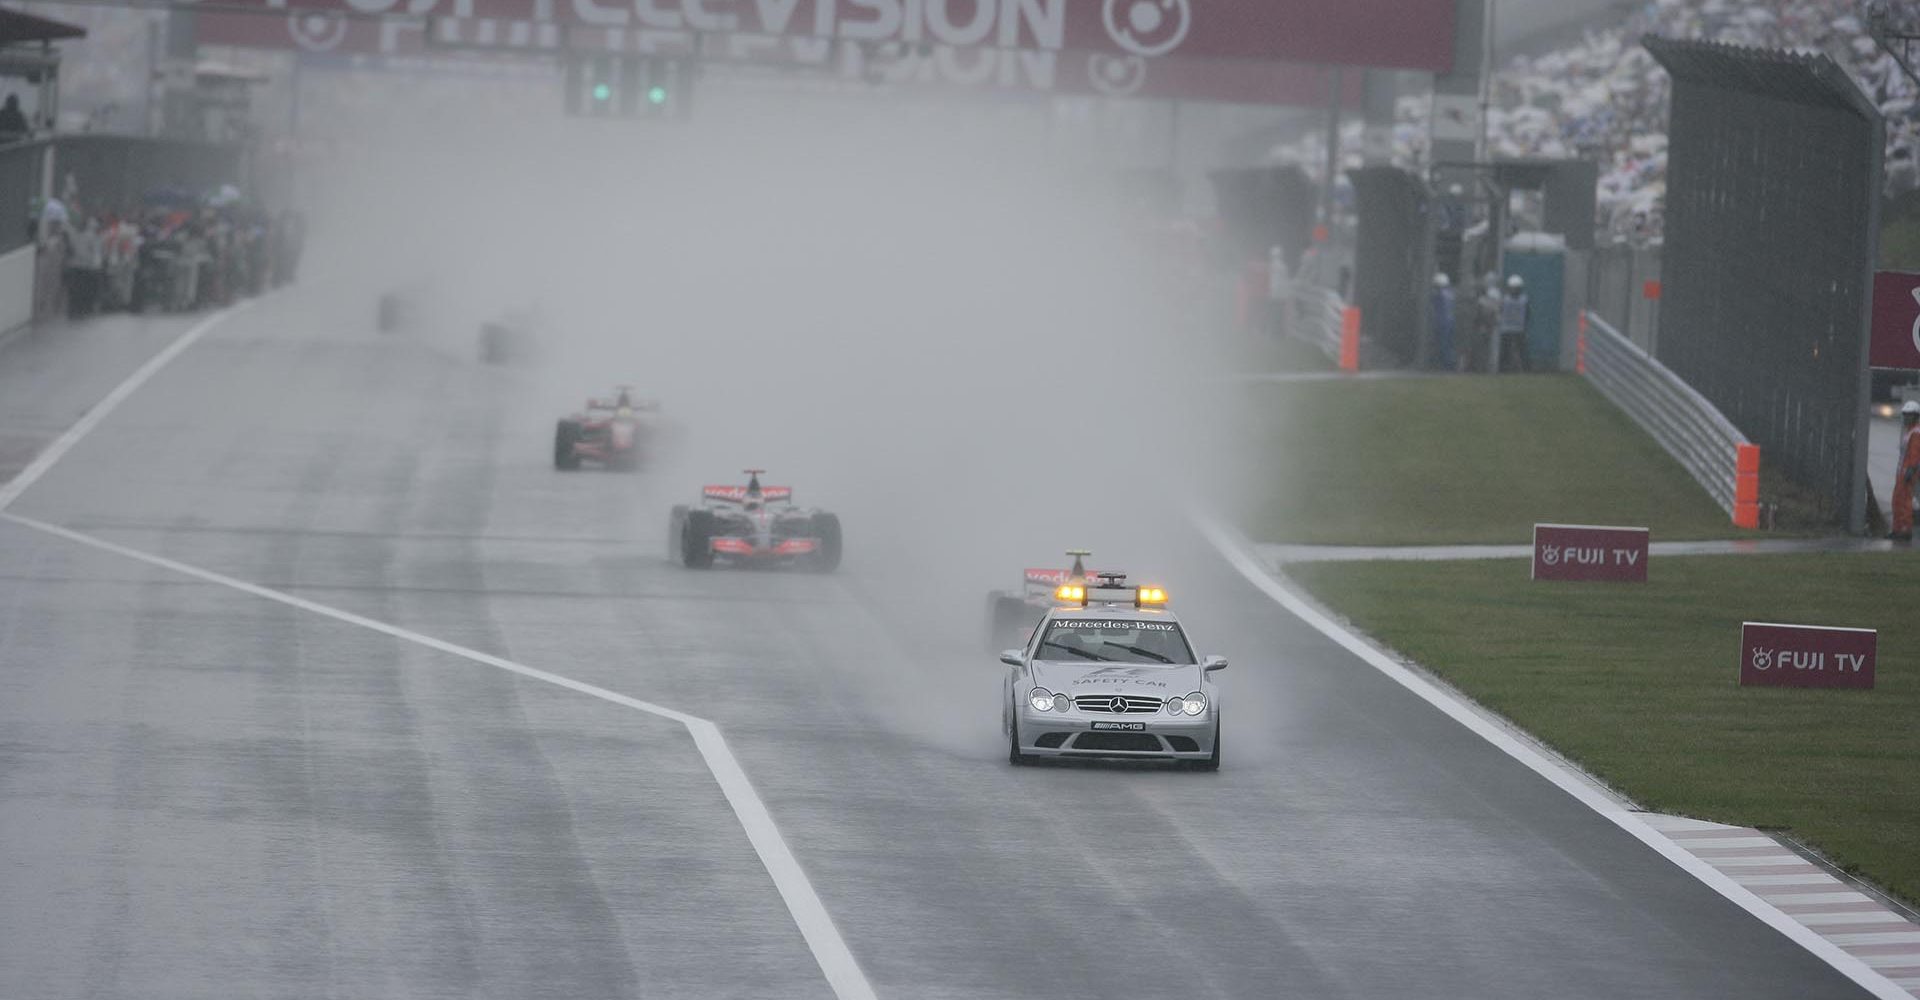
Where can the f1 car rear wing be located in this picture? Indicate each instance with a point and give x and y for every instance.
(738, 494)
(1041, 583)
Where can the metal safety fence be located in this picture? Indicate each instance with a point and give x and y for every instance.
(1772, 204)
(1318, 314)
(1685, 423)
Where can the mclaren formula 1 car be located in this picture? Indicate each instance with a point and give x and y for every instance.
(1012, 614)
(753, 525)
(1109, 672)
(616, 433)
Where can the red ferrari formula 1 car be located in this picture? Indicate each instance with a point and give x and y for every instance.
(753, 525)
(615, 433)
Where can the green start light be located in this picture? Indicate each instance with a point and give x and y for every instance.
(602, 92)
(657, 95)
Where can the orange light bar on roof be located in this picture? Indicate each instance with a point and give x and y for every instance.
(1071, 593)
(1149, 597)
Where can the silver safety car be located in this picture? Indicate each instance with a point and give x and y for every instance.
(1110, 672)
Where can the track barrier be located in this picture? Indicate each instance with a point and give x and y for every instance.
(1350, 339)
(1690, 428)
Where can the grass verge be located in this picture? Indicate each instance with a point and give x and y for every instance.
(1458, 459)
(1639, 684)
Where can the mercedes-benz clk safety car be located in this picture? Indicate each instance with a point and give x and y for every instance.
(615, 433)
(753, 525)
(1011, 614)
(1110, 672)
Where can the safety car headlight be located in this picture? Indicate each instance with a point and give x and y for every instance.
(1194, 704)
(1176, 705)
(1061, 702)
(1041, 699)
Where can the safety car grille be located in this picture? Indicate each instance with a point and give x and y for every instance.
(1134, 704)
(1138, 742)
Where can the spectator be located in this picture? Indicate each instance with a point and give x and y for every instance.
(1906, 472)
(1513, 315)
(1481, 350)
(123, 259)
(53, 218)
(1441, 318)
(1901, 174)
(13, 121)
(86, 266)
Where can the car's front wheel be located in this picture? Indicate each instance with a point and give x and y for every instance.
(1211, 763)
(566, 434)
(826, 530)
(1014, 756)
(696, 540)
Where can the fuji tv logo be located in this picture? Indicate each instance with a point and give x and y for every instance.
(1794, 659)
(1572, 555)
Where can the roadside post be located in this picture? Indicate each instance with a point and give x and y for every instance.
(1350, 339)
(1773, 655)
(1588, 552)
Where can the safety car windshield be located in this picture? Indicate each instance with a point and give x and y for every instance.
(1114, 640)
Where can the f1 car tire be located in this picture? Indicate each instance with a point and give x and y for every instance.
(1014, 756)
(676, 525)
(696, 540)
(826, 528)
(566, 434)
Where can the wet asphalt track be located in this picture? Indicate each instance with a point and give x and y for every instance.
(204, 794)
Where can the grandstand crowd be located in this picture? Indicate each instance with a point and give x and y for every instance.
(1603, 97)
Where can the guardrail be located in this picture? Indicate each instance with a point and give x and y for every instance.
(1702, 440)
(1321, 318)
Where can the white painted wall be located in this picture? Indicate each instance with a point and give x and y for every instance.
(16, 288)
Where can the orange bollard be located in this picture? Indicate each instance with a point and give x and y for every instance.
(1580, 347)
(1350, 339)
(1746, 486)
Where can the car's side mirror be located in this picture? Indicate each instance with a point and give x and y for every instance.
(1013, 657)
(1213, 663)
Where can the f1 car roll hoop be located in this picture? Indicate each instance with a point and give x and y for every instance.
(753, 525)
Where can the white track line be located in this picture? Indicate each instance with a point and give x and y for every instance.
(1237, 551)
(60, 446)
(829, 949)
(816, 926)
